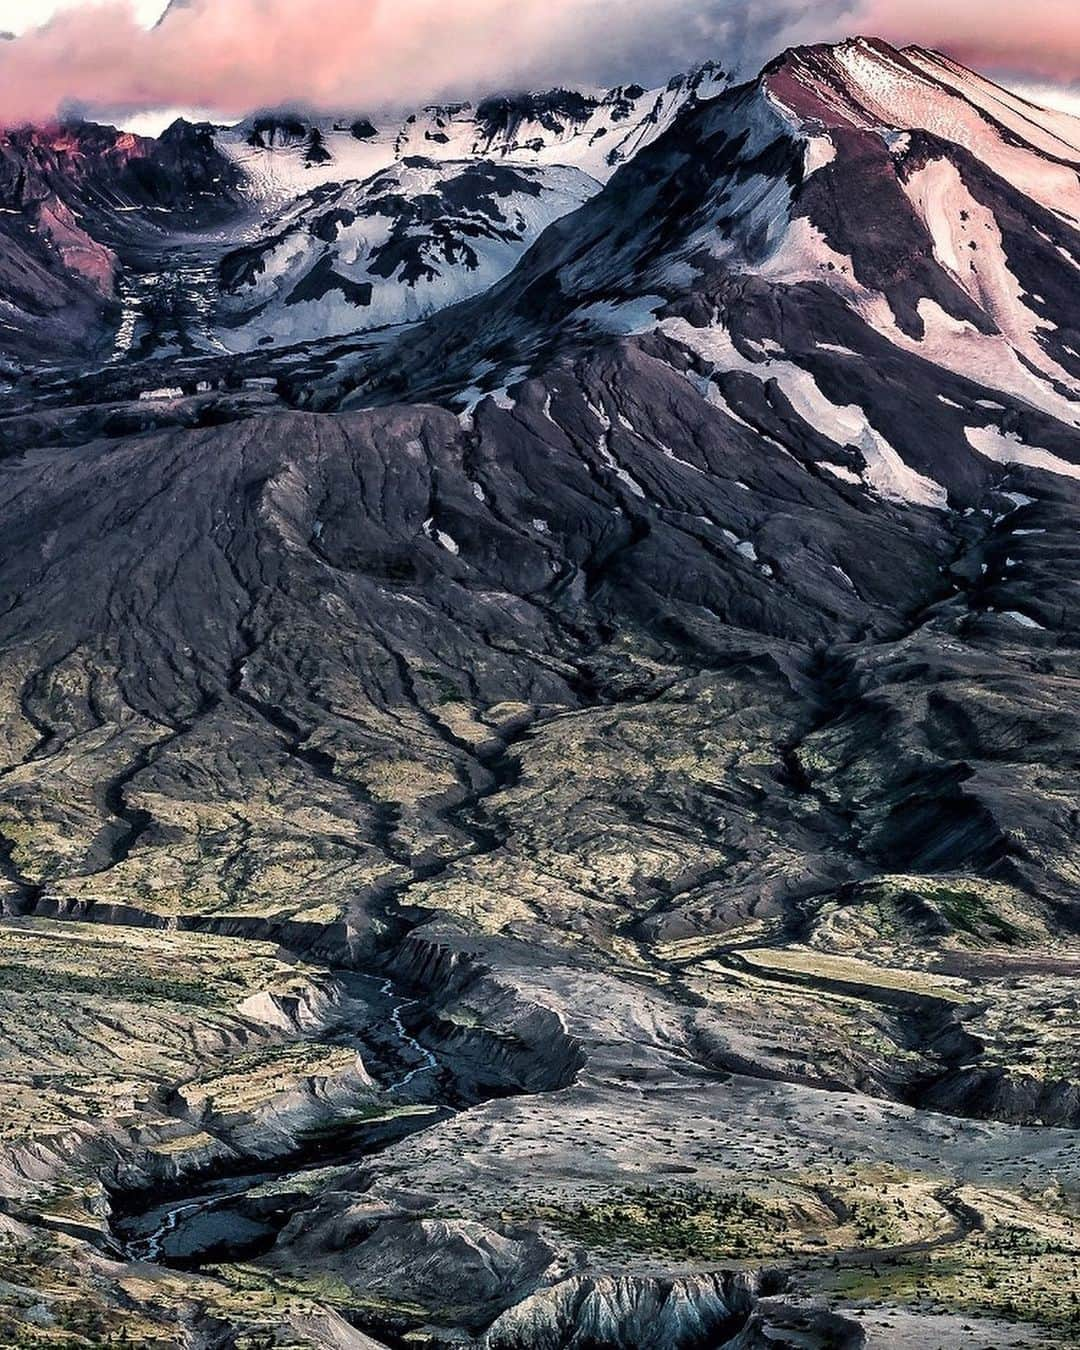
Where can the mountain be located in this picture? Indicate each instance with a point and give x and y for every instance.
(138, 247)
(409, 217)
(410, 240)
(555, 826)
(903, 286)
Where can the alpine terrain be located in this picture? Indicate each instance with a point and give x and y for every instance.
(540, 739)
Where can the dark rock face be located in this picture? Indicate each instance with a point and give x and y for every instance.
(650, 685)
(277, 129)
(179, 171)
(502, 117)
(315, 151)
(185, 172)
(322, 279)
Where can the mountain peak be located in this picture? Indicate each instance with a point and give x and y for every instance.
(864, 83)
(832, 82)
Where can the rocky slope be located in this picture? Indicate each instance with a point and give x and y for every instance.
(639, 706)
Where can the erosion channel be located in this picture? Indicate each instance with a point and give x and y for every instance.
(233, 1213)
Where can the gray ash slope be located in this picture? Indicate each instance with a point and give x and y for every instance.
(698, 703)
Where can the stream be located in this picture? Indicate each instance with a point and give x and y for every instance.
(240, 1214)
(168, 310)
(428, 1060)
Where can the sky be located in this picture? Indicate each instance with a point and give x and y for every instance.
(18, 15)
(112, 58)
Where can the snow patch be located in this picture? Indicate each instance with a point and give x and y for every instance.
(623, 316)
(819, 151)
(804, 254)
(622, 474)
(841, 471)
(843, 576)
(1008, 448)
(967, 241)
(886, 471)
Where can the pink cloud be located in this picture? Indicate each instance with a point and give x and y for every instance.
(1033, 37)
(237, 55)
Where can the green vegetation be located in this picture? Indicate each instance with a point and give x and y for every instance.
(969, 913)
(27, 979)
(446, 690)
(689, 1222)
(1023, 1269)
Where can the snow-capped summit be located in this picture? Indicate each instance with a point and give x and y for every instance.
(593, 132)
(382, 222)
(285, 152)
(866, 85)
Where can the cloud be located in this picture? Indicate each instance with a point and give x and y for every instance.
(235, 55)
(1063, 98)
(1023, 37)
